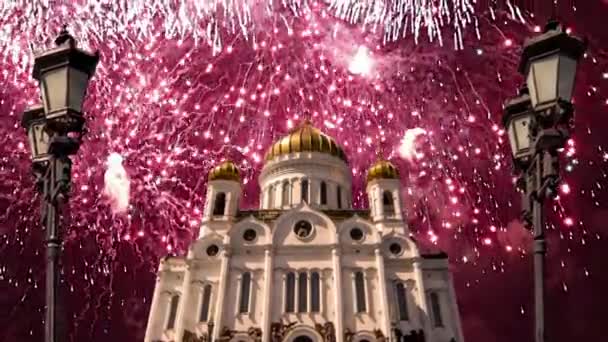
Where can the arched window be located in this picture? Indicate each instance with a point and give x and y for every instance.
(360, 292)
(205, 303)
(173, 304)
(302, 292)
(339, 196)
(285, 195)
(245, 292)
(302, 338)
(323, 193)
(270, 197)
(305, 190)
(402, 301)
(315, 292)
(220, 204)
(436, 309)
(388, 203)
(290, 286)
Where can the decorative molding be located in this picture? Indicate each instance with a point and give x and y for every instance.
(379, 336)
(226, 334)
(327, 331)
(278, 330)
(189, 336)
(413, 336)
(348, 335)
(255, 334)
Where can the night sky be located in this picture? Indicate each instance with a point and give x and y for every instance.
(181, 87)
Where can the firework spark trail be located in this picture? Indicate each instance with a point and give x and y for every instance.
(172, 99)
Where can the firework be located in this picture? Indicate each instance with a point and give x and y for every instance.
(183, 85)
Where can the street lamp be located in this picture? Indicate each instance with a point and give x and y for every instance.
(539, 122)
(54, 133)
(517, 119)
(549, 64)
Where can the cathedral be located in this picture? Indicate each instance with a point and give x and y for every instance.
(305, 266)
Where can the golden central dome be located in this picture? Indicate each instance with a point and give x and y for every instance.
(382, 169)
(305, 138)
(225, 171)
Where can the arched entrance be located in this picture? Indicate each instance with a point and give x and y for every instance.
(303, 338)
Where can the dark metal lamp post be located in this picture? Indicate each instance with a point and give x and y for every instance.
(538, 123)
(54, 132)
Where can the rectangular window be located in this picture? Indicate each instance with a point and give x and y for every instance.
(245, 292)
(205, 303)
(339, 195)
(305, 190)
(436, 309)
(323, 193)
(315, 292)
(401, 293)
(219, 206)
(360, 292)
(302, 292)
(290, 282)
(172, 311)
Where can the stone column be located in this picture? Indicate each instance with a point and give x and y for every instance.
(184, 302)
(296, 192)
(222, 285)
(385, 318)
(397, 200)
(154, 308)
(314, 192)
(309, 291)
(379, 203)
(454, 310)
(269, 279)
(337, 269)
(332, 196)
(425, 320)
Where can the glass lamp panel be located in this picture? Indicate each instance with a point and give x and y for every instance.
(77, 88)
(567, 74)
(519, 135)
(513, 139)
(54, 88)
(522, 130)
(530, 82)
(39, 140)
(544, 77)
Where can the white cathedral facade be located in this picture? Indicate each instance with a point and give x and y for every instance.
(305, 266)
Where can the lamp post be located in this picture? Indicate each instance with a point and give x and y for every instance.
(54, 133)
(539, 122)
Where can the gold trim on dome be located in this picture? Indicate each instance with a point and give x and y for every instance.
(382, 169)
(225, 171)
(305, 138)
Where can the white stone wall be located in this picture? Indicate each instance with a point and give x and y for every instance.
(330, 250)
(288, 172)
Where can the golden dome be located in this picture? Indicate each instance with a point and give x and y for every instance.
(382, 169)
(305, 138)
(225, 171)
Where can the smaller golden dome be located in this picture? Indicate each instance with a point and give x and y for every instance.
(382, 169)
(226, 170)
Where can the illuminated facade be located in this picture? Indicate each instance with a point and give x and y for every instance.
(305, 266)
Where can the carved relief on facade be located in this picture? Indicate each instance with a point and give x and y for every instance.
(413, 336)
(189, 336)
(348, 335)
(278, 330)
(327, 331)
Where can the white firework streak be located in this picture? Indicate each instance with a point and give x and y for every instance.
(210, 20)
